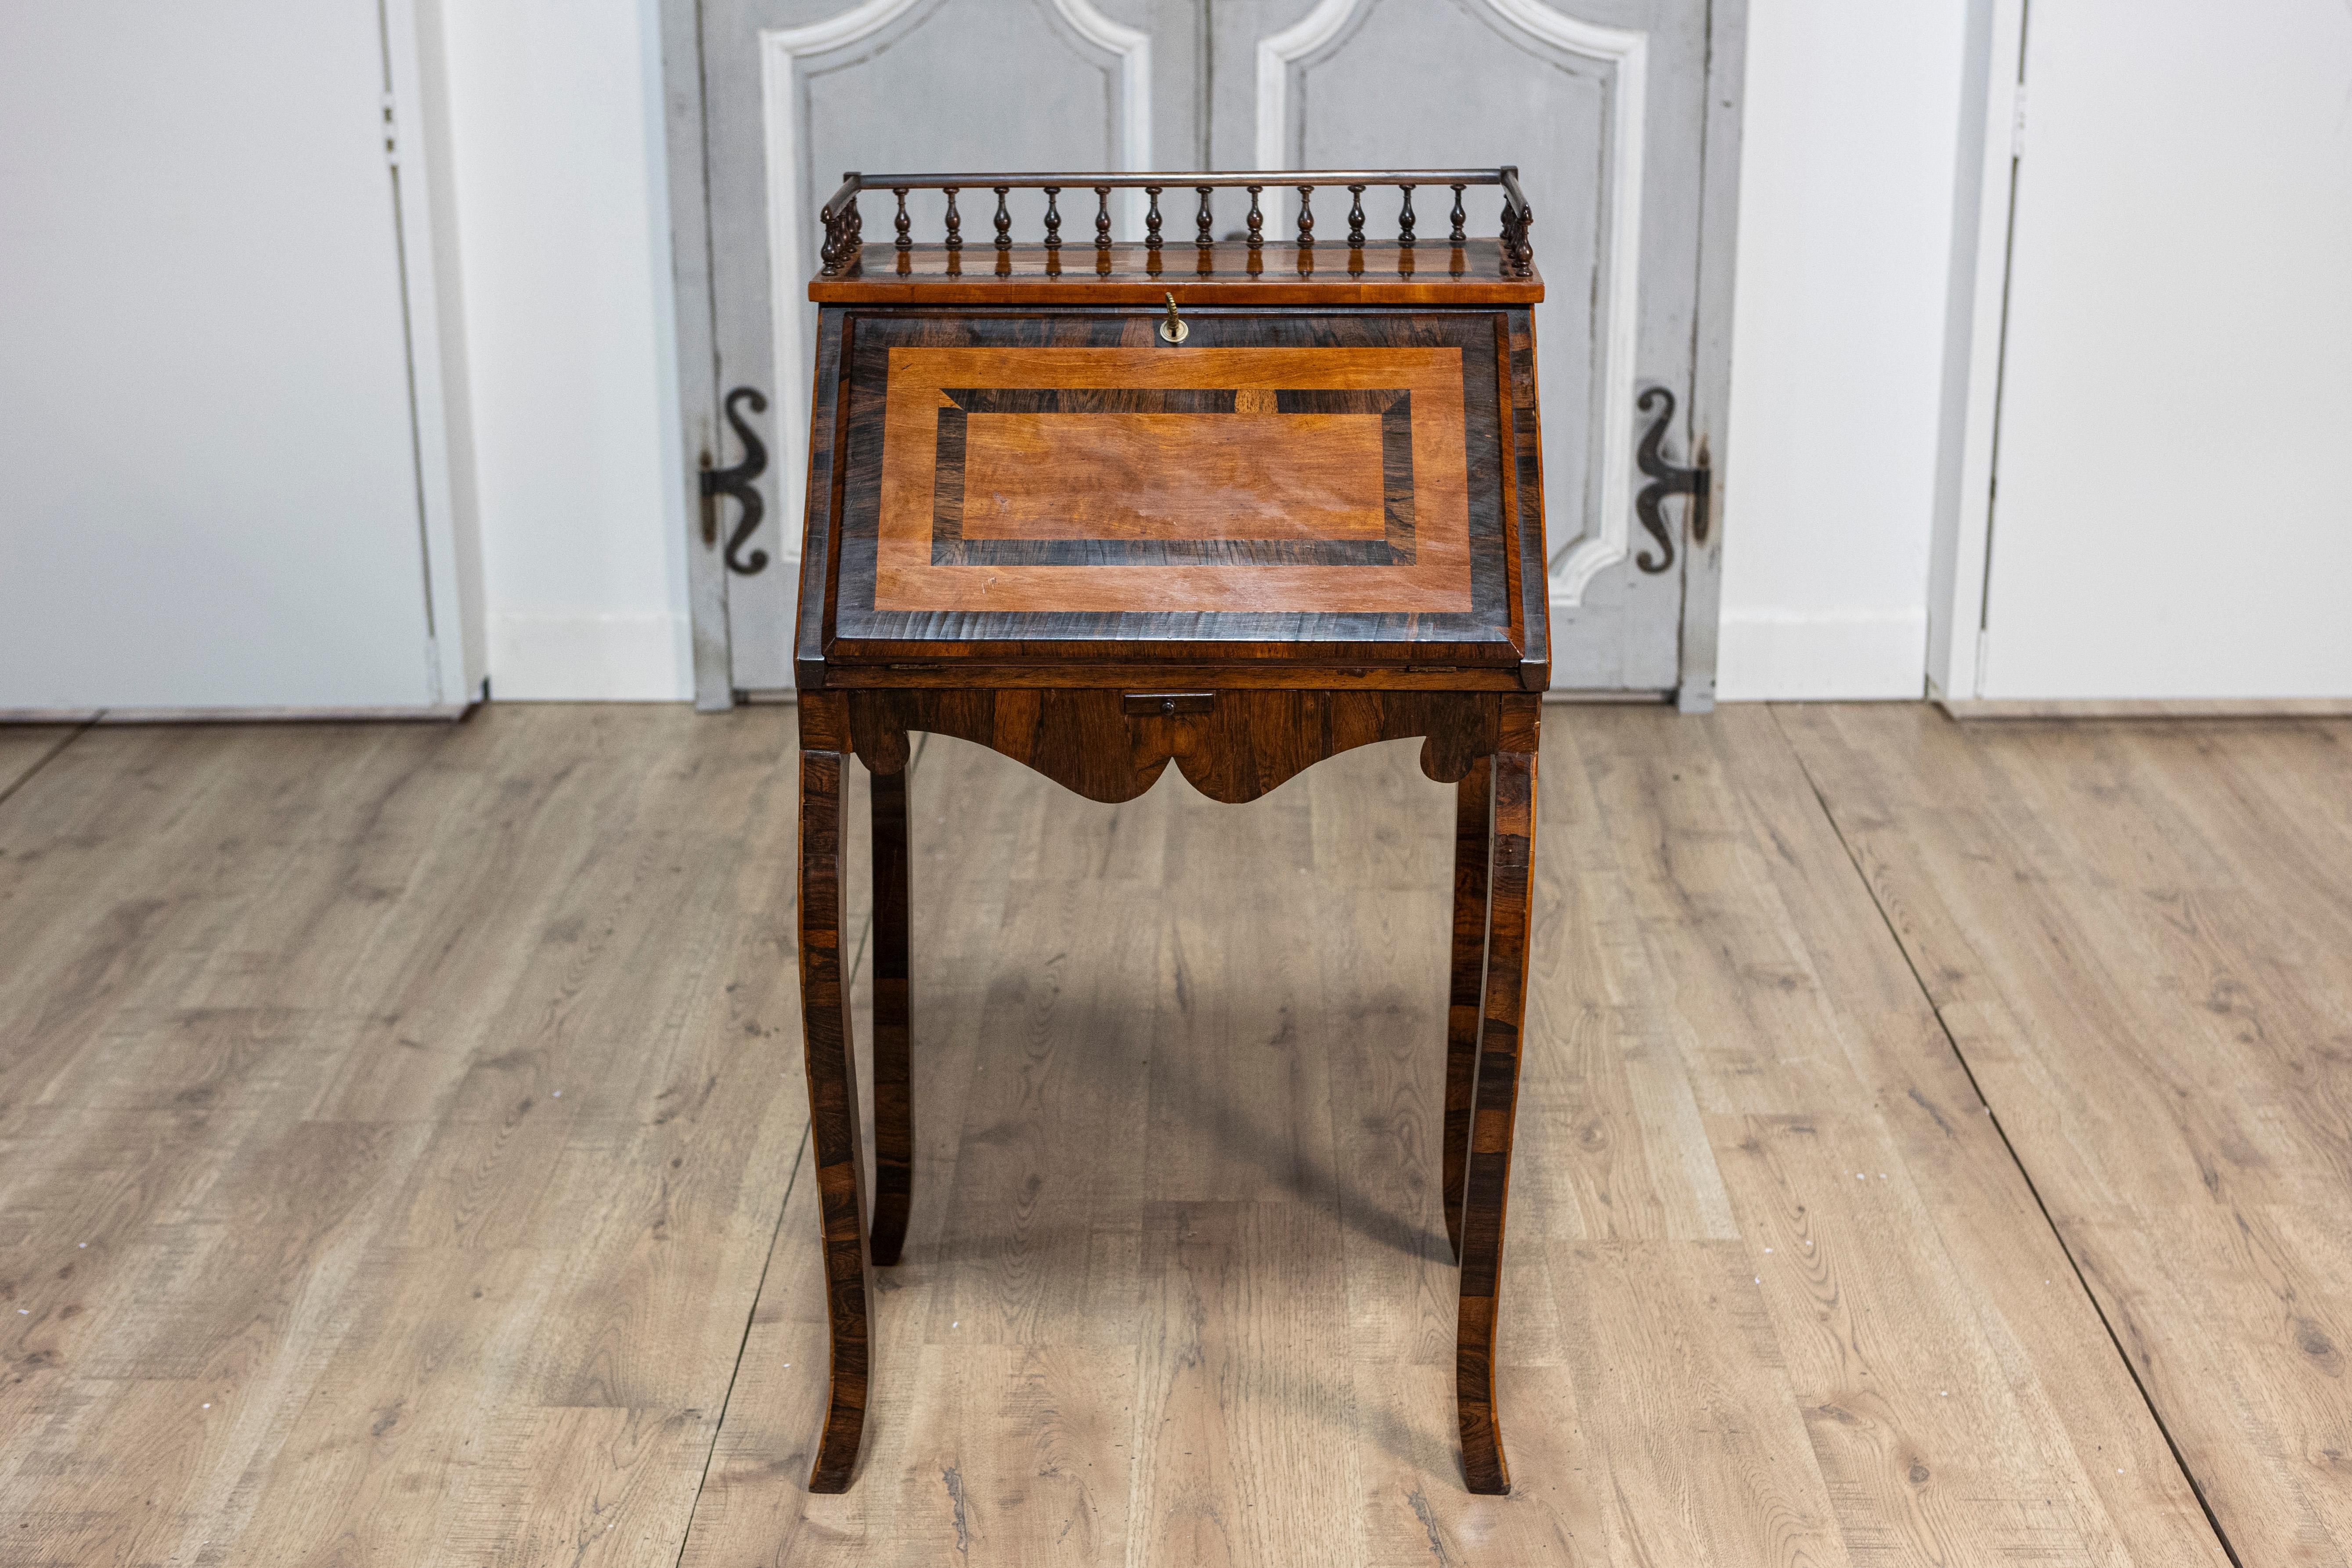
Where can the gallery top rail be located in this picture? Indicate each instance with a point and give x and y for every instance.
(844, 246)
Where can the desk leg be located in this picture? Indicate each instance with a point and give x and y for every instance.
(1496, 1104)
(1473, 845)
(894, 1080)
(833, 1118)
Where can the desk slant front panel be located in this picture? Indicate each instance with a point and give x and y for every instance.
(1354, 482)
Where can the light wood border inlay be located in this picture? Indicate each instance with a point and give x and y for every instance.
(1438, 581)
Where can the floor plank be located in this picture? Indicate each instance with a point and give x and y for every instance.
(25, 747)
(395, 1123)
(2137, 935)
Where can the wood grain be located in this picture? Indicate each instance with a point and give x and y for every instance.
(2134, 935)
(836, 1148)
(1173, 475)
(923, 414)
(25, 747)
(392, 1126)
(1493, 1115)
(287, 1009)
(1473, 823)
(1234, 747)
(894, 1104)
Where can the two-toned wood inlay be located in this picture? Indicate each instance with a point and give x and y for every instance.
(1043, 477)
(1127, 479)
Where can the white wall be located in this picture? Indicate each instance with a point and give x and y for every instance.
(1845, 217)
(564, 247)
(1845, 214)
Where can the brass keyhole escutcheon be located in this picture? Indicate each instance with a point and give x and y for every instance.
(1174, 329)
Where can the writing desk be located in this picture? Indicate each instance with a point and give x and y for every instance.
(1238, 504)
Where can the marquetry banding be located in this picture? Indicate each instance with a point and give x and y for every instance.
(1119, 447)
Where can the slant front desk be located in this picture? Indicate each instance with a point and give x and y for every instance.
(1236, 504)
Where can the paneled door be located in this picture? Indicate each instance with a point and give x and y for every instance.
(1622, 115)
(2156, 520)
(226, 450)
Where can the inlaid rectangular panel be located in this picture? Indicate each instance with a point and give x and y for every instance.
(1068, 478)
(1026, 495)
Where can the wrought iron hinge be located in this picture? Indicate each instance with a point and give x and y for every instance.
(1665, 480)
(738, 482)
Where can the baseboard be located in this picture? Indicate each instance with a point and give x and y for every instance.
(438, 712)
(577, 657)
(1975, 707)
(1839, 656)
(1568, 694)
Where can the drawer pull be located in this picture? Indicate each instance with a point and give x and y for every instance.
(1174, 329)
(1166, 704)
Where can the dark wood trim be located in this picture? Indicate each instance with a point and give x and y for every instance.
(1473, 834)
(1494, 1110)
(1394, 677)
(893, 1085)
(1469, 274)
(1246, 743)
(828, 429)
(1535, 558)
(833, 1118)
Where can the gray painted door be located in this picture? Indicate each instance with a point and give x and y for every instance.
(1627, 156)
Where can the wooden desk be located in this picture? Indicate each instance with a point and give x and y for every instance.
(1036, 522)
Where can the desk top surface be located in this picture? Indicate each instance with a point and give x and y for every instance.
(1317, 494)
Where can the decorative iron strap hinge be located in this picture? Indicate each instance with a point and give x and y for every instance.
(1665, 480)
(738, 482)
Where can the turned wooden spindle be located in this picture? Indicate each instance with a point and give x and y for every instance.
(1102, 220)
(1355, 218)
(1207, 224)
(905, 225)
(1404, 219)
(1257, 219)
(1003, 219)
(1306, 218)
(1457, 237)
(1053, 219)
(955, 222)
(1152, 219)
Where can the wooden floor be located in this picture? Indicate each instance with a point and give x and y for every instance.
(1936, 1148)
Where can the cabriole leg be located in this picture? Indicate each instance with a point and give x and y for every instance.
(832, 1120)
(1494, 1106)
(1472, 823)
(894, 1080)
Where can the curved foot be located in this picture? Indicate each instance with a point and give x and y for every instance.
(833, 1118)
(1487, 1181)
(836, 1449)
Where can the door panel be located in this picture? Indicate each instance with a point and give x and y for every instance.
(1602, 110)
(1605, 110)
(799, 93)
(2167, 524)
(204, 415)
